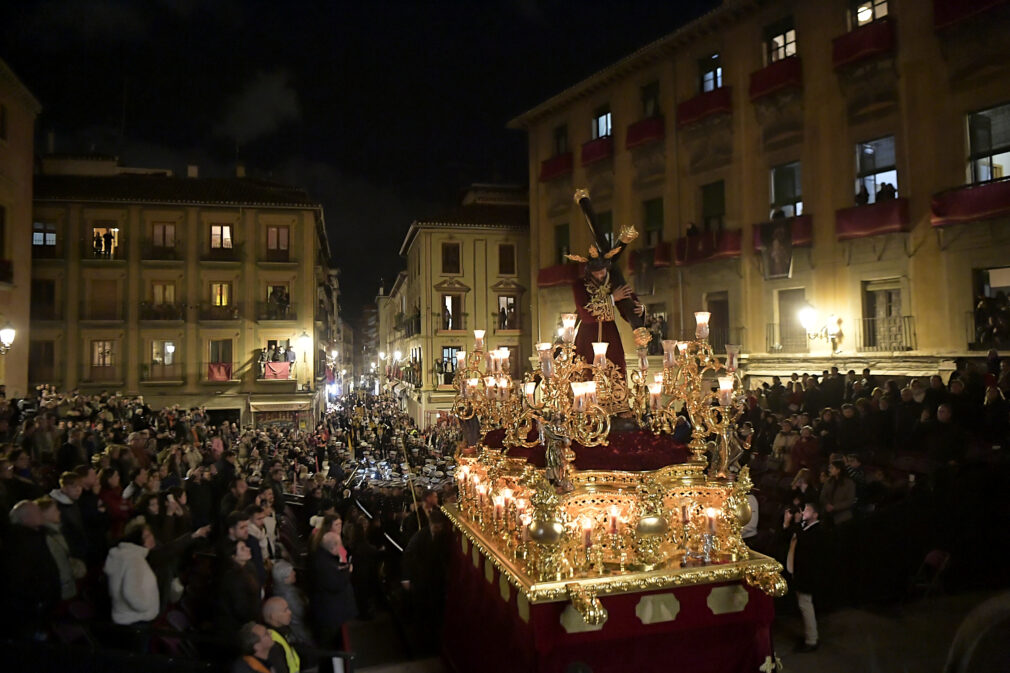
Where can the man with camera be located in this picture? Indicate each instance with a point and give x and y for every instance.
(805, 565)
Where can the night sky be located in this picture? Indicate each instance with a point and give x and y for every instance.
(383, 111)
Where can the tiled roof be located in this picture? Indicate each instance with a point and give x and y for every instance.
(174, 190)
(481, 215)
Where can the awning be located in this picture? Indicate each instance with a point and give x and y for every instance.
(280, 406)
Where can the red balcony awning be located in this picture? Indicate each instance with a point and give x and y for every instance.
(707, 247)
(970, 203)
(885, 217)
(645, 131)
(559, 274)
(662, 255)
(704, 105)
(948, 12)
(869, 41)
(802, 228)
(597, 150)
(218, 371)
(555, 167)
(783, 74)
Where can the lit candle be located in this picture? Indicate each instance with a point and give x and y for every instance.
(506, 494)
(530, 389)
(490, 387)
(702, 319)
(546, 352)
(579, 402)
(725, 390)
(613, 519)
(471, 387)
(481, 492)
(504, 387)
(658, 378)
(732, 357)
(655, 389)
(587, 532)
(568, 327)
(525, 534)
(643, 360)
(685, 515)
(478, 339)
(711, 513)
(669, 355)
(499, 507)
(460, 359)
(493, 361)
(682, 347)
(503, 360)
(464, 479)
(520, 505)
(589, 390)
(600, 353)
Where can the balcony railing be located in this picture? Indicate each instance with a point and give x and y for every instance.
(886, 334)
(52, 311)
(211, 312)
(976, 202)
(786, 73)
(97, 309)
(453, 323)
(6, 271)
(232, 254)
(149, 311)
(645, 131)
(101, 374)
(716, 102)
(268, 310)
(151, 251)
(555, 167)
(786, 338)
(162, 372)
(117, 254)
(863, 43)
(718, 337)
(597, 149)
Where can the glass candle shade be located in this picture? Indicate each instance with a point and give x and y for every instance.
(478, 339)
(702, 318)
(726, 390)
(600, 353)
(732, 357)
(568, 327)
(655, 390)
(546, 353)
(669, 353)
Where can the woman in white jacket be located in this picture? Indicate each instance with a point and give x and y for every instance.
(133, 586)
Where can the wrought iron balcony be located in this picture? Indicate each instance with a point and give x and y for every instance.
(892, 334)
(268, 310)
(212, 312)
(150, 311)
(786, 338)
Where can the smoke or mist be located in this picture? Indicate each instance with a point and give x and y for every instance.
(267, 102)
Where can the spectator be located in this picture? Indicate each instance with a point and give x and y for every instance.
(284, 587)
(239, 590)
(72, 525)
(838, 494)
(255, 644)
(71, 569)
(237, 530)
(136, 487)
(805, 452)
(804, 566)
(333, 597)
(133, 586)
(277, 616)
(116, 507)
(29, 576)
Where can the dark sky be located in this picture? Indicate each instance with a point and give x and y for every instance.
(384, 111)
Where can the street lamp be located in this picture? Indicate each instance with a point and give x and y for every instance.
(830, 330)
(7, 334)
(396, 356)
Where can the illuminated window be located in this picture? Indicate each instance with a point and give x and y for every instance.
(103, 354)
(105, 240)
(162, 293)
(44, 234)
(162, 352)
(601, 122)
(277, 238)
(989, 144)
(508, 312)
(710, 73)
(786, 191)
(220, 237)
(452, 312)
(220, 294)
(780, 40)
(876, 175)
(867, 11)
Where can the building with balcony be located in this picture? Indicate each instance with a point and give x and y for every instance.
(18, 109)
(466, 270)
(847, 159)
(170, 287)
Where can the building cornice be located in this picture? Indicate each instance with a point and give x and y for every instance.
(417, 226)
(22, 92)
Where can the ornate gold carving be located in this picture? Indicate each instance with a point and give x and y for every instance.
(587, 604)
(600, 304)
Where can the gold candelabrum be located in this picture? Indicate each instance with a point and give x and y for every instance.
(563, 534)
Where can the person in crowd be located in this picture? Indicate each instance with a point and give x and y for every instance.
(71, 569)
(133, 587)
(425, 573)
(838, 494)
(284, 586)
(237, 530)
(29, 577)
(117, 508)
(254, 643)
(72, 525)
(332, 600)
(804, 565)
(805, 452)
(784, 441)
(283, 657)
(137, 485)
(239, 590)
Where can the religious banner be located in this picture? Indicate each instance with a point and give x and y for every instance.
(277, 370)
(219, 371)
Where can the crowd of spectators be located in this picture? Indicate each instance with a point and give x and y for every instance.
(167, 533)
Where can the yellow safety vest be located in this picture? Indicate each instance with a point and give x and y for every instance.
(294, 663)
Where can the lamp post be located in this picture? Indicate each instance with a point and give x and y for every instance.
(830, 329)
(7, 334)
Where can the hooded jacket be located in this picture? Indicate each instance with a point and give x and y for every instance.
(133, 586)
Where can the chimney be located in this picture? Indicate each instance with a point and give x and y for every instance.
(239, 170)
(51, 142)
(192, 171)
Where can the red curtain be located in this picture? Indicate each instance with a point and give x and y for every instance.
(556, 167)
(707, 246)
(635, 450)
(219, 371)
(277, 370)
(781, 74)
(975, 202)
(559, 274)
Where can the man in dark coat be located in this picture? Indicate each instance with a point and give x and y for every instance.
(332, 599)
(29, 578)
(425, 572)
(71, 519)
(805, 565)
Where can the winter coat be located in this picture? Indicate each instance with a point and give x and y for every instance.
(72, 524)
(840, 493)
(70, 568)
(133, 586)
(238, 598)
(333, 597)
(29, 577)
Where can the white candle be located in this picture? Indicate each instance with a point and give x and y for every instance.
(613, 519)
(525, 534)
(587, 532)
(478, 339)
(499, 507)
(643, 360)
(530, 388)
(504, 387)
(726, 390)
(503, 360)
(669, 355)
(568, 327)
(481, 492)
(600, 353)
(682, 347)
(578, 391)
(685, 514)
(702, 317)
(732, 357)
(490, 387)
(460, 359)
(711, 514)
(506, 494)
(655, 389)
(471, 387)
